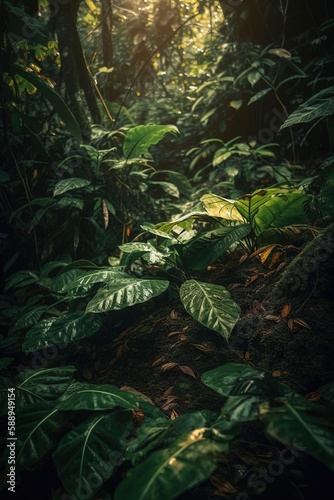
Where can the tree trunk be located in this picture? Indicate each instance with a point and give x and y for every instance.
(107, 46)
(74, 68)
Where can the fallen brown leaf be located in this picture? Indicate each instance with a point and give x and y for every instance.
(187, 371)
(286, 310)
(168, 366)
(158, 361)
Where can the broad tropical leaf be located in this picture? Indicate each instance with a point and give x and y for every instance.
(234, 379)
(148, 436)
(318, 106)
(139, 139)
(37, 426)
(148, 252)
(35, 386)
(206, 249)
(249, 204)
(211, 305)
(304, 424)
(167, 473)
(29, 318)
(95, 447)
(280, 210)
(82, 283)
(216, 206)
(68, 328)
(68, 184)
(82, 396)
(126, 292)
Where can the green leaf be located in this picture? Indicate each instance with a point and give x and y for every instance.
(241, 409)
(327, 392)
(259, 95)
(236, 104)
(68, 328)
(57, 102)
(315, 108)
(96, 397)
(216, 206)
(306, 425)
(139, 139)
(167, 473)
(149, 435)
(21, 279)
(211, 305)
(95, 447)
(168, 187)
(234, 379)
(206, 249)
(35, 386)
(148, 252)
(29, 318)
(181, 182)
(37, 427)
(281, 210)
(253, 77)
(127, 292)
(69, 184)
(82, 283)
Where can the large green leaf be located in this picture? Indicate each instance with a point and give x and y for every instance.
(95, 447)
(147, 251)
(139, 139)
(57, 102)
(150, 435)
(84, 396)
(318, 106)
(306, 425)
(126, 292)
(29, 318)
(211, 305)
(216, 206)
(206, 249)
(68, 328)
(235, 379)
(249, 204)
(280, 210)
(42, 385)
(68, 184)
(83, 281)
(167, 473)
(37, 426)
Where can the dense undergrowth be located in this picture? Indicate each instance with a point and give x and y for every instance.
(136, 204)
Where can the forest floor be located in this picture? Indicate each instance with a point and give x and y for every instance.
(162, 353)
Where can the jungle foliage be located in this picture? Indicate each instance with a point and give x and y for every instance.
(142, 143)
